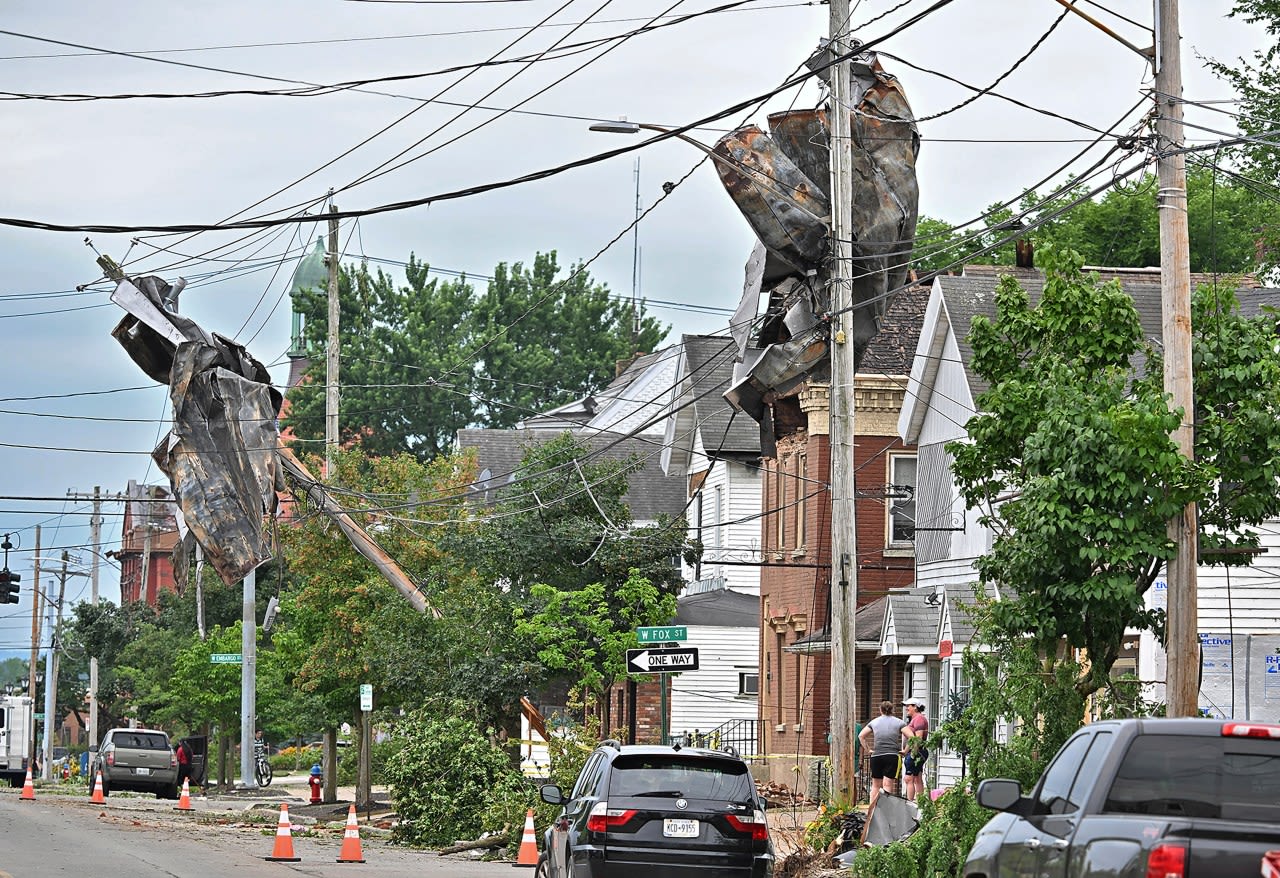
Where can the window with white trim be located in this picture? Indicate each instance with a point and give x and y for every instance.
(901, 529)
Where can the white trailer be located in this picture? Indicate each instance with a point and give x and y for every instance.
(17, 725)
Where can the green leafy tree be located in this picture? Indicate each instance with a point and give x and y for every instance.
(1071, 461)
(566, 523)
(585, 633)
(1233, 226)
(422, 360)
(1256, 80)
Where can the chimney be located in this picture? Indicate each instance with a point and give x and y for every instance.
(1026, 257)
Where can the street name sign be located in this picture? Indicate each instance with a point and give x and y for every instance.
(225, 658)
(662, 661)
(663, 634)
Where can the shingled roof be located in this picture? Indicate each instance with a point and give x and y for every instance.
(915, 622)
(719, 608)
(708, 369)
(973, 293)
(894, 346)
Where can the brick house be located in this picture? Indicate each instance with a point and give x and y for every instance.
(148, 535)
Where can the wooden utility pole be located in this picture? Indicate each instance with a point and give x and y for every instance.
(1183, 643)
(331, 352)
(35, 641)
(844, 576)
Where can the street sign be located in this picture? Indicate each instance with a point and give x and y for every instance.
(225, 658)
(663, 634)
(662, 661)
(366, 696)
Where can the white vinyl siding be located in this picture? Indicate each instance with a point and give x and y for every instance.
(708, 697)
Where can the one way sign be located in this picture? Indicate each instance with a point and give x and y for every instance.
(662, 661)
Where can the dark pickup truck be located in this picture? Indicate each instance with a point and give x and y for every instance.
(1139, 798)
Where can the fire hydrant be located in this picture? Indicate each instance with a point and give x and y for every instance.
(316, 781)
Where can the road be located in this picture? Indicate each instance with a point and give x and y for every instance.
(66, 835)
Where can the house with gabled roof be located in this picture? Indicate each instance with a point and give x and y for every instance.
(949, 539)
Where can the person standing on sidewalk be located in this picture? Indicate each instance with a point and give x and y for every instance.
(914, 753)
(883, 738)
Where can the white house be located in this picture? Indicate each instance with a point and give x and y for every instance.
(1243, 608)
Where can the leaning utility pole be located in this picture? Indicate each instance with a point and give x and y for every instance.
(1183, 642)
(331, 352)
(844, 576)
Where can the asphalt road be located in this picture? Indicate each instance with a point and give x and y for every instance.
(64, 834)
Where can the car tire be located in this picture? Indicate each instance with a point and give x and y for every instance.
(543, 869)
(106, 787)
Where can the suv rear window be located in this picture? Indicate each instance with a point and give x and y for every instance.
(690, 777)
(141, 741)
(1192, 776)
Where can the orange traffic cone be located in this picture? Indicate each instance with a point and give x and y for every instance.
(283, 850)
(184, 801)
(528, 855)
(98, 798)
(350, 852)
(28, 788)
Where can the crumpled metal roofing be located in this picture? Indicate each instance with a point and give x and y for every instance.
(780, 182)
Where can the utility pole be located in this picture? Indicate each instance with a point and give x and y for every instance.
(248, 679)
(844, 575)
(331, 351)
(96, 538)
(51, 675)
(35, 639)
(1183, 642)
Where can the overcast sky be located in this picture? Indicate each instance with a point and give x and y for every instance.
(76, 413)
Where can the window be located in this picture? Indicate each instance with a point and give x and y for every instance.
(902, 500)
(589, 778)
(717, 536)
(1054, 795)
(802, 493)
(748, 682)
(1185, 776)
(780, 510)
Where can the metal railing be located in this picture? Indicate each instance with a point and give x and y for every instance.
(741, 734)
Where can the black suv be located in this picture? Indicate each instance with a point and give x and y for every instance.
(639, 810)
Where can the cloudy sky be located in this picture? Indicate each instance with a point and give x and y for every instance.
(75, 412)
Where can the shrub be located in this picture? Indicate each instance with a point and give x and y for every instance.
(937, 849)
(441, 778)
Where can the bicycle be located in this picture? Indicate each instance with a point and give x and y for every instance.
(262, 770)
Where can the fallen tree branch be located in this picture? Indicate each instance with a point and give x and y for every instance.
(490, 841)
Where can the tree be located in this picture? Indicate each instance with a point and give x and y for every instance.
(1233, 227)
(423, 360)
(566, 523)
(1257, 81)
(1071, 461)
(586, 632)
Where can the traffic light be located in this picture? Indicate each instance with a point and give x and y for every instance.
(9, 586)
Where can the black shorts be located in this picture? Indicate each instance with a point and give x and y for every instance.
(887, 766)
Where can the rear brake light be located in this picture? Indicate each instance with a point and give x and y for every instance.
(1167, 861)
(753, 825)
(603, 818)
(173, 760)
(1249, 730)
(111, 758)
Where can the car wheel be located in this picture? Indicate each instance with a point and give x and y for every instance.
(544, 866)
(106, 787)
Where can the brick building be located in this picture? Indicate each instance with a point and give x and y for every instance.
(149, 533)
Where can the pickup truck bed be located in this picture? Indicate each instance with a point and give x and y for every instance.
(1177, 798)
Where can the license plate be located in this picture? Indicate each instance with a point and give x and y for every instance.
(142, 771)
(680, 828)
